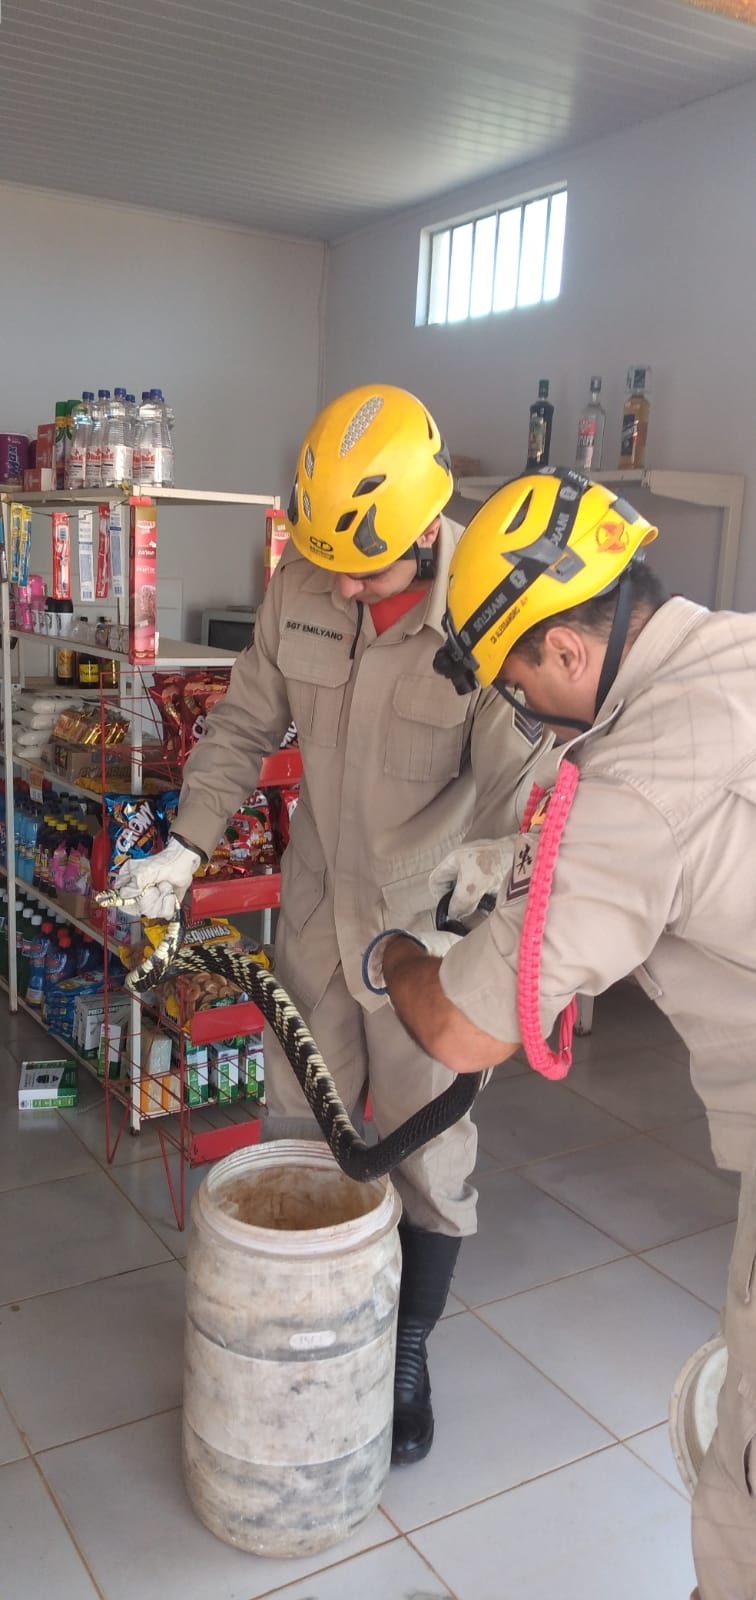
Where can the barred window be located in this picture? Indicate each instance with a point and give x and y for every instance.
(495, 262)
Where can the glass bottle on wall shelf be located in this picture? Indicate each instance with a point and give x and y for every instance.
(635, 418)
(590, 438)
(539, 430)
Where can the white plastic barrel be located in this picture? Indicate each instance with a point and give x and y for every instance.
(693, 1408)
(292, 1291)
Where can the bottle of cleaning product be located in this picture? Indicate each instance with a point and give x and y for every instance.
(37, 952)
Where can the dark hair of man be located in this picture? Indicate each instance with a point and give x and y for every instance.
(595, 616)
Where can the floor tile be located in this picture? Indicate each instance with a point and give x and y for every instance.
(525, 1118)
(12, 1447)
(699, 1263)
(453, 1306)
(146, 1185)
(524, 1239)
(134, 1322)
(638, 1191)
(486, 1401)
(87, 1121)
(395, 1572)
(605, 1526)
(143, 1539)
(644, 1086)
(38, 1557)
(655, 1448)
(611, 1338)
(53, 1235)
(693, 1140)
(35, 1147)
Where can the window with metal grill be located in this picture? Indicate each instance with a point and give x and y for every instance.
(480, 266)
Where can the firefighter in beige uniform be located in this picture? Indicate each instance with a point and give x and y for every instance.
(655, 872)
(397, 770)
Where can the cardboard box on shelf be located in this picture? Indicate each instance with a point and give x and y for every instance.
(45, 456)
(48, 1085)
(37, 479)
(159, 1092)
(89, 1019)
(197, 1077)
(142, 580)
(276, 540)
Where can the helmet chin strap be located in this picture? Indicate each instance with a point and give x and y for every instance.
(612, 657)
(425, 565)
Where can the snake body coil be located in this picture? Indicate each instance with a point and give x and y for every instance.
(356, 1158)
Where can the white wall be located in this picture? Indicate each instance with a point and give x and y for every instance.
(659, 266)
(225, 321)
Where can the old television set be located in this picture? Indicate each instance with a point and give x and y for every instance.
(231, 628)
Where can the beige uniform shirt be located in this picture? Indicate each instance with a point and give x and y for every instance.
(656, 872)
(398, 768)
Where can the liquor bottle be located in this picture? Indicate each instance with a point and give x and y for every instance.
(590, 439)
(539, 431)
(635, 418)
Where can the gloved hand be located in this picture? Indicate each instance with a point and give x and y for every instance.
(158, 884)
(434, 944)
(474, 873)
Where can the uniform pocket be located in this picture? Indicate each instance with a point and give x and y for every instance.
(647, 982)
(742, 1273)
(426, 734)
(316, 672)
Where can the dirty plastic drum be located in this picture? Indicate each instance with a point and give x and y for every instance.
(693, 1408)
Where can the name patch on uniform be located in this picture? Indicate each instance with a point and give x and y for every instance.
(319, 633)
(529, 728)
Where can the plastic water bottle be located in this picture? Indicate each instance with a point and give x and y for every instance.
(94, 448)
(117, 447)
(81, 423)
(139, 422)
(166, 419)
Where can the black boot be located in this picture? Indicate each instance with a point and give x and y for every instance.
(428, 1262)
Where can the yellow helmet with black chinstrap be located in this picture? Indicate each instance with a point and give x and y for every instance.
(543, 543)
(373, 473)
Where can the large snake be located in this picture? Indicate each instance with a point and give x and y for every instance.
(356, 1158)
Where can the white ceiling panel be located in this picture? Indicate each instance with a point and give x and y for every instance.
(313, 117)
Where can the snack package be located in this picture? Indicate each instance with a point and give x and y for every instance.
(134, 831)
(247, 844)
(81, 725)
(166, 692)
(166, 806)
(102, 584)
(201, 691)
(283, 804)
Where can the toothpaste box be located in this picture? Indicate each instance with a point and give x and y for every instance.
(89, 1018)
(45, 456)
(109, 1049)
(197, 1078)
(48, 1084)
(252, 1067)
(224, 1072)
(159, 1092)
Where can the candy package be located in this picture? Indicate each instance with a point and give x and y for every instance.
(283, 804)
(134, 830)
(247, 844)
(166, 691)
(81, 725)
(201, 692)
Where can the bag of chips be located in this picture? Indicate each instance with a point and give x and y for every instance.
(134, 829)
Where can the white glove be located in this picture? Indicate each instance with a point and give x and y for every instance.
(434, 944)
(158, 884)
(474, 873)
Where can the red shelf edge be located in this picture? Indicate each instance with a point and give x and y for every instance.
(216, 1142)
(225, 1022)
(221, 897)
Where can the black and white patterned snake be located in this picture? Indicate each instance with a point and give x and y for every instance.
(175, 958)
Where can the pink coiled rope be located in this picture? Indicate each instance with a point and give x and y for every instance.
(550, 1063)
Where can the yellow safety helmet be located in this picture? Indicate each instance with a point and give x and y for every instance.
(543, 543)
(372, 474)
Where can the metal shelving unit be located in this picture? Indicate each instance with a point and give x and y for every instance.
(208, 898)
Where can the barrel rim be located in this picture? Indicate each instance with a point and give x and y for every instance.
(337, 1237)
(689, 1450)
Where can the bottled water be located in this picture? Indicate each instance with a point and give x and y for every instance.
(117, 448)
(137, 442)
(81, 422)
(94, 447)
(153, 449)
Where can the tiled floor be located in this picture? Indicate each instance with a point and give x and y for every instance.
(598, 1268)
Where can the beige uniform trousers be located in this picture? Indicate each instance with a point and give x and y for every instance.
(724, 1504)
(370, 1051)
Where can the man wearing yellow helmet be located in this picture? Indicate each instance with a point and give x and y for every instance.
(637, 867)
(397, 771)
